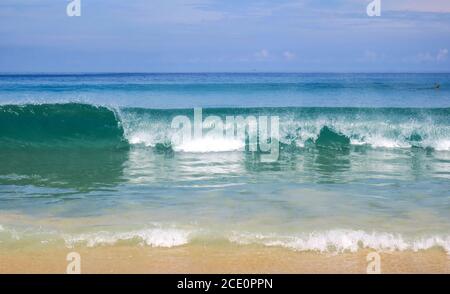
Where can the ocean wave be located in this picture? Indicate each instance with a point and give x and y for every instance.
(84, 125)
(339, 241)
(59, 125)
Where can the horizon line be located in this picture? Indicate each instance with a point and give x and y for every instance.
(215, 72)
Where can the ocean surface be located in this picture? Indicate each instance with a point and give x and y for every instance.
(89, 160)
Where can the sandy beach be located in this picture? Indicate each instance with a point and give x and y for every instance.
(216, 259)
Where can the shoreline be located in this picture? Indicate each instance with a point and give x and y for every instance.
(200, 258)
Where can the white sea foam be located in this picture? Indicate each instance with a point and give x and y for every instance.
(343, 240)
(210, 145)
(380, 142)
(430, 242)
(331, 241)
(141, 137)
(202, 145)
(377, 132)
(441, 145)
(155, 237)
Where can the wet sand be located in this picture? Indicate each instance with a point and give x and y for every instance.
(216, 259)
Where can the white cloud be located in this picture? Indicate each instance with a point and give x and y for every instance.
(262, 54)
(288, 55)
(442, 54)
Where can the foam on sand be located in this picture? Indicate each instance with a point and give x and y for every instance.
(343, 240)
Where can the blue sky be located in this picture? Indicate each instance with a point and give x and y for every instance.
(227, 35)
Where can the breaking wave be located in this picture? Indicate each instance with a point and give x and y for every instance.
(84, 125)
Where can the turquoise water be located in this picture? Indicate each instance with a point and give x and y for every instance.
(89, 160)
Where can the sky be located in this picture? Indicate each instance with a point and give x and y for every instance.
(224, 36)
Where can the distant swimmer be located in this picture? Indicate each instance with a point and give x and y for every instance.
(437, 86)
